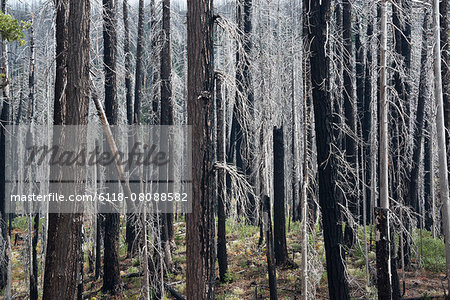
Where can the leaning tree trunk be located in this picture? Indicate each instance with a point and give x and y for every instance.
(64, 229)
(200, 223)
(326, 162)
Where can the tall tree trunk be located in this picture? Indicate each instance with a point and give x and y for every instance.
(383, 236)
(443, 10)
(348, 98)
(366, 122)
(4, 120)
(64, 229)
(318, 20)
(443, 171)
(166, 171)
(429, 179)
(111, 272)
(131, 229)
(126, 48)
(200, 224)
(420, 113)
(279, 218)
(222, 257)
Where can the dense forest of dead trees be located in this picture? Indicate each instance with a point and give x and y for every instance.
(317, 153)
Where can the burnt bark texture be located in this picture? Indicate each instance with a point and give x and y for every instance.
(349, 109)
(166, 171)
(318, 18)
(382, 252)
(270, 254)
(279, 214)
(200, 224)
(222, 257)
(63, 244)
(111, 272)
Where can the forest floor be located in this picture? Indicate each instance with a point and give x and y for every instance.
(247, 274)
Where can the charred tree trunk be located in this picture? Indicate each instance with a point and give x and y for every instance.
(166, 171)
(327, 166)
(64, 229)
(348, 99)
(111, 273)
(200, 228)
(222, 257)
(128, 83)
(279, 218)
(270, 254)
(420, 113)
(131, 229)
(428, 180)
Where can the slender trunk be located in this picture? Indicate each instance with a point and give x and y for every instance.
(348, 101)
(128, 83)
(382, 216)
(442, 153)
(279, 218)
(270, 254)
(429, 179)
(221, 189)
(166, 171)
(4, 120)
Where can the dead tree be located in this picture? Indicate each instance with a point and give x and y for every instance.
(318, 21)
(270, 254)
(222, 257)
(200, 224)
(111, 272)
(279, 214)
(64, 229)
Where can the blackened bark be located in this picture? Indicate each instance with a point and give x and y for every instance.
(200, 224)
(128, 83)
(98, 246)
(166, 171)
(64, 229)
(222, 257)
(319, 15)
(420, 113)
(428, 185)
(348, 98)
(366, 122)
(139, 78)
(34, 275)
(131, 230)
(279, 215)
(111, 273)
(271, 268)
(382, 253)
